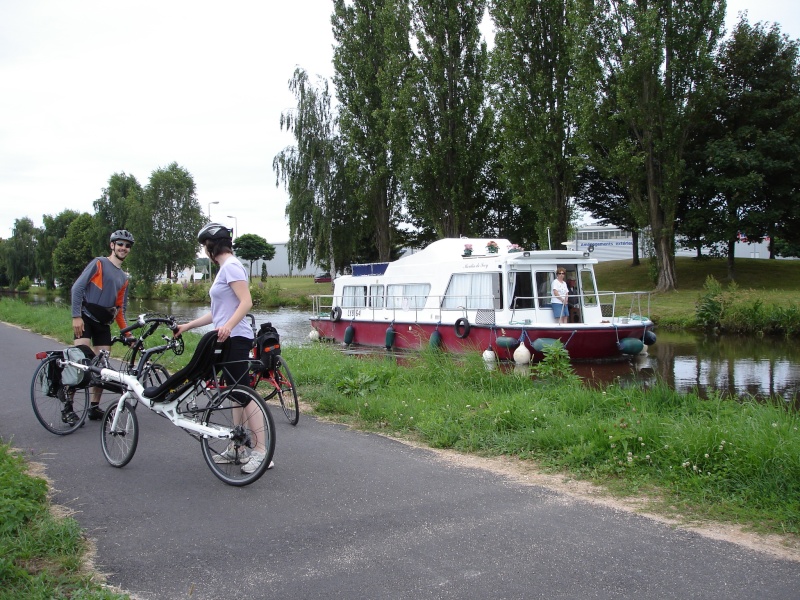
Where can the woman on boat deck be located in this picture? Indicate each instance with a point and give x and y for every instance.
(560, 294)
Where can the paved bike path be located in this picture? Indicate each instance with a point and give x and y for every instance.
(351, 515)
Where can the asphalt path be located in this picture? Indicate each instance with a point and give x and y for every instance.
(351, 515)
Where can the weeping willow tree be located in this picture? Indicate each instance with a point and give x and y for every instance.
(313, 172)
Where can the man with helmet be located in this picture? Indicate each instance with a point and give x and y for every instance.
(230, 303)
(100, 297)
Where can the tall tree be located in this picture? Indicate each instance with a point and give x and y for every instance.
(20, 251)
(371, 62)
(252, 247)
(647, 59)
(113, 206)
(450, 120)
(165, 224)
(532, 75)
(755, 159)
(74, 251)
(53, 231)
(314, 173)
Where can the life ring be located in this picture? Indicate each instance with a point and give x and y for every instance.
(462, 328)
(336, 313)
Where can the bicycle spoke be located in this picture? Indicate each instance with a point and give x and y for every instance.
(60, 410)
(119, 443)
(233, 459)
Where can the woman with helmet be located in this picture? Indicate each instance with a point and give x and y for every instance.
(230, 303)
(100, 297)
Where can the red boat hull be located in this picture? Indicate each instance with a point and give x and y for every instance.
(584, 343)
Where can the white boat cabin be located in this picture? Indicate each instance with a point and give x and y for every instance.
(455, 278)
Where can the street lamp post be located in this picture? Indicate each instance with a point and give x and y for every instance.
(209, 208)
(235, 226)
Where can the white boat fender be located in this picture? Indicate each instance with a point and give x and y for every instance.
(336, 313)
(389, 341)
(349, 334)
(522, 356)
(462, 327)
(489, 355)
(313, 335)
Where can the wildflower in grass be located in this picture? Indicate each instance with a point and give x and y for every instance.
(686, 464)
(706, 455)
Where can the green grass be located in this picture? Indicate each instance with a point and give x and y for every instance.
(776, 282)
(41, 556)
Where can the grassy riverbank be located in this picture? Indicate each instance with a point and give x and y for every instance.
(694, 459)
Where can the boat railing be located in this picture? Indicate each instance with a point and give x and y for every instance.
(623, 307)
(617, 307)
(404, 307)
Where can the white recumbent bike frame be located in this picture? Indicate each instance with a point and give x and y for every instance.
(232, 424)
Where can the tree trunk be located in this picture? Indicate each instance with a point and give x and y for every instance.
(730, 260)
(635, 242)
(662, 228)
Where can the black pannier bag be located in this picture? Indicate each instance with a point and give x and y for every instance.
(268, 345)
(73, 376)
(50, 376)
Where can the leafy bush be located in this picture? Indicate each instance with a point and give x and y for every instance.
(24, 284)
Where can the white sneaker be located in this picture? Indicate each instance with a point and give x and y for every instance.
(256, 458)
(229, 455)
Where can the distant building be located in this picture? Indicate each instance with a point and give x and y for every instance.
(606, 242)
(279, 266)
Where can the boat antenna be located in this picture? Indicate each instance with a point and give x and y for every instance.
(549, 247)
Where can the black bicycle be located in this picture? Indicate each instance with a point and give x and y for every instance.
(61, 399)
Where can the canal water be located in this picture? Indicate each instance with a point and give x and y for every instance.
(765, 367)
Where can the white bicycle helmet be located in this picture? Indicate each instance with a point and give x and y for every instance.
(213, 231)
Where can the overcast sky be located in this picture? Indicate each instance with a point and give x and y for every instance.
(90, 88)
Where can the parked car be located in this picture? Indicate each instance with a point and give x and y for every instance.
(322, 278)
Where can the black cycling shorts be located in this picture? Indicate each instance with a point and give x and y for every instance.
(97, 332)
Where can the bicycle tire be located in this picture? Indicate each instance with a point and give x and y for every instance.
(154, 374)
(256, 421)
(119, 445)
(283, 382)
(50, 406)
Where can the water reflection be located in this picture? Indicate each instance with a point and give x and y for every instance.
(731, 365)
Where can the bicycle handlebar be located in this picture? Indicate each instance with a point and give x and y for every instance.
(143, 320)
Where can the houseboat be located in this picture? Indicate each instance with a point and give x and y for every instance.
(468, 294)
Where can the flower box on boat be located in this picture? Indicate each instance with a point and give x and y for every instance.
(466, 303)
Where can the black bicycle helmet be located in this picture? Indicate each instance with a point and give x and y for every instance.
(122, 235)
(213, 231)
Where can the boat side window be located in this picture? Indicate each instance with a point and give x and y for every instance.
(522, 289)
(354, 296)
(473, 291)
(588, 288)
(544, 287)
(407, 296)
(376, 296)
